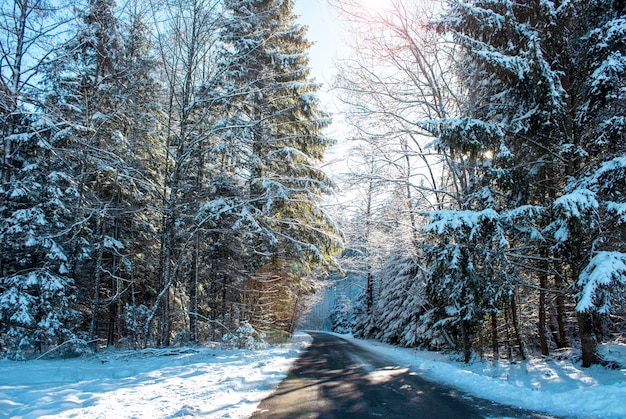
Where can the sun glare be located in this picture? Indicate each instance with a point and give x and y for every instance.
(374, 5)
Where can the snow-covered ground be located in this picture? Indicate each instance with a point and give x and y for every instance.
(218, 383)
(155, 383)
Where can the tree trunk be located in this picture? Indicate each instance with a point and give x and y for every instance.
(369, 299)
(93, 328)
(193, 298)
(294, 315)
(509, 343)
(114, 303)
(495, 347)
(133, 302)
(369, 292)
(112, 329)
(213, 289)
(409, 197)
(588, 343)
(481, 343)
(165, 326)
(517, 329)
(560, 312)
(467, 346)
(541, 326)
(13, 89)
(598, 327)
(223, 300)
(168, 270)
(161, 303)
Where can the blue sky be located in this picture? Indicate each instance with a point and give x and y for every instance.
(324, 30)
(328, 35)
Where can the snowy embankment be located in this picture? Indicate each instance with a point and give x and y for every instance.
(218, 383)
(154, 383)
(552, 386)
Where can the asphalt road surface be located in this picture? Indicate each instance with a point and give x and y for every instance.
(337, 379)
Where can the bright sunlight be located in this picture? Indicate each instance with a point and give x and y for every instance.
(375, 5)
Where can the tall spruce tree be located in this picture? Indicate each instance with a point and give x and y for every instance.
(84, 97)
(272, 118)
(36, 192)
(277, 123)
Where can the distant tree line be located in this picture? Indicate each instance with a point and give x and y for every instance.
(492, 171)
(160, 172)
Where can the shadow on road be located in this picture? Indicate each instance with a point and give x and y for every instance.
(336, 379)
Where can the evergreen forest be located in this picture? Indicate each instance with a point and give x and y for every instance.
(162, 175)
(161, 178)
(489, 173)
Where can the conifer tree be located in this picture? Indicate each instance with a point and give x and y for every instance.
(84, 98)
(588, 216)
(36, 192)
(102, 96)
(548, 86)
(278, 125)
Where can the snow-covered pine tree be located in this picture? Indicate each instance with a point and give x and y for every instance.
(102, 96)
(470, 273)
(36, 194)
(139, 118)
(341, 316)
(275, 118)
(548, 83)
(588, 224)
(37, 293)
(401, 300)
(82, 100)
(513, 57)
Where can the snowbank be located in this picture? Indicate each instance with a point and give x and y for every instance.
(552, 386)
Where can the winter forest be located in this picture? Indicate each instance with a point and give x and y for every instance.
(163, 178)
